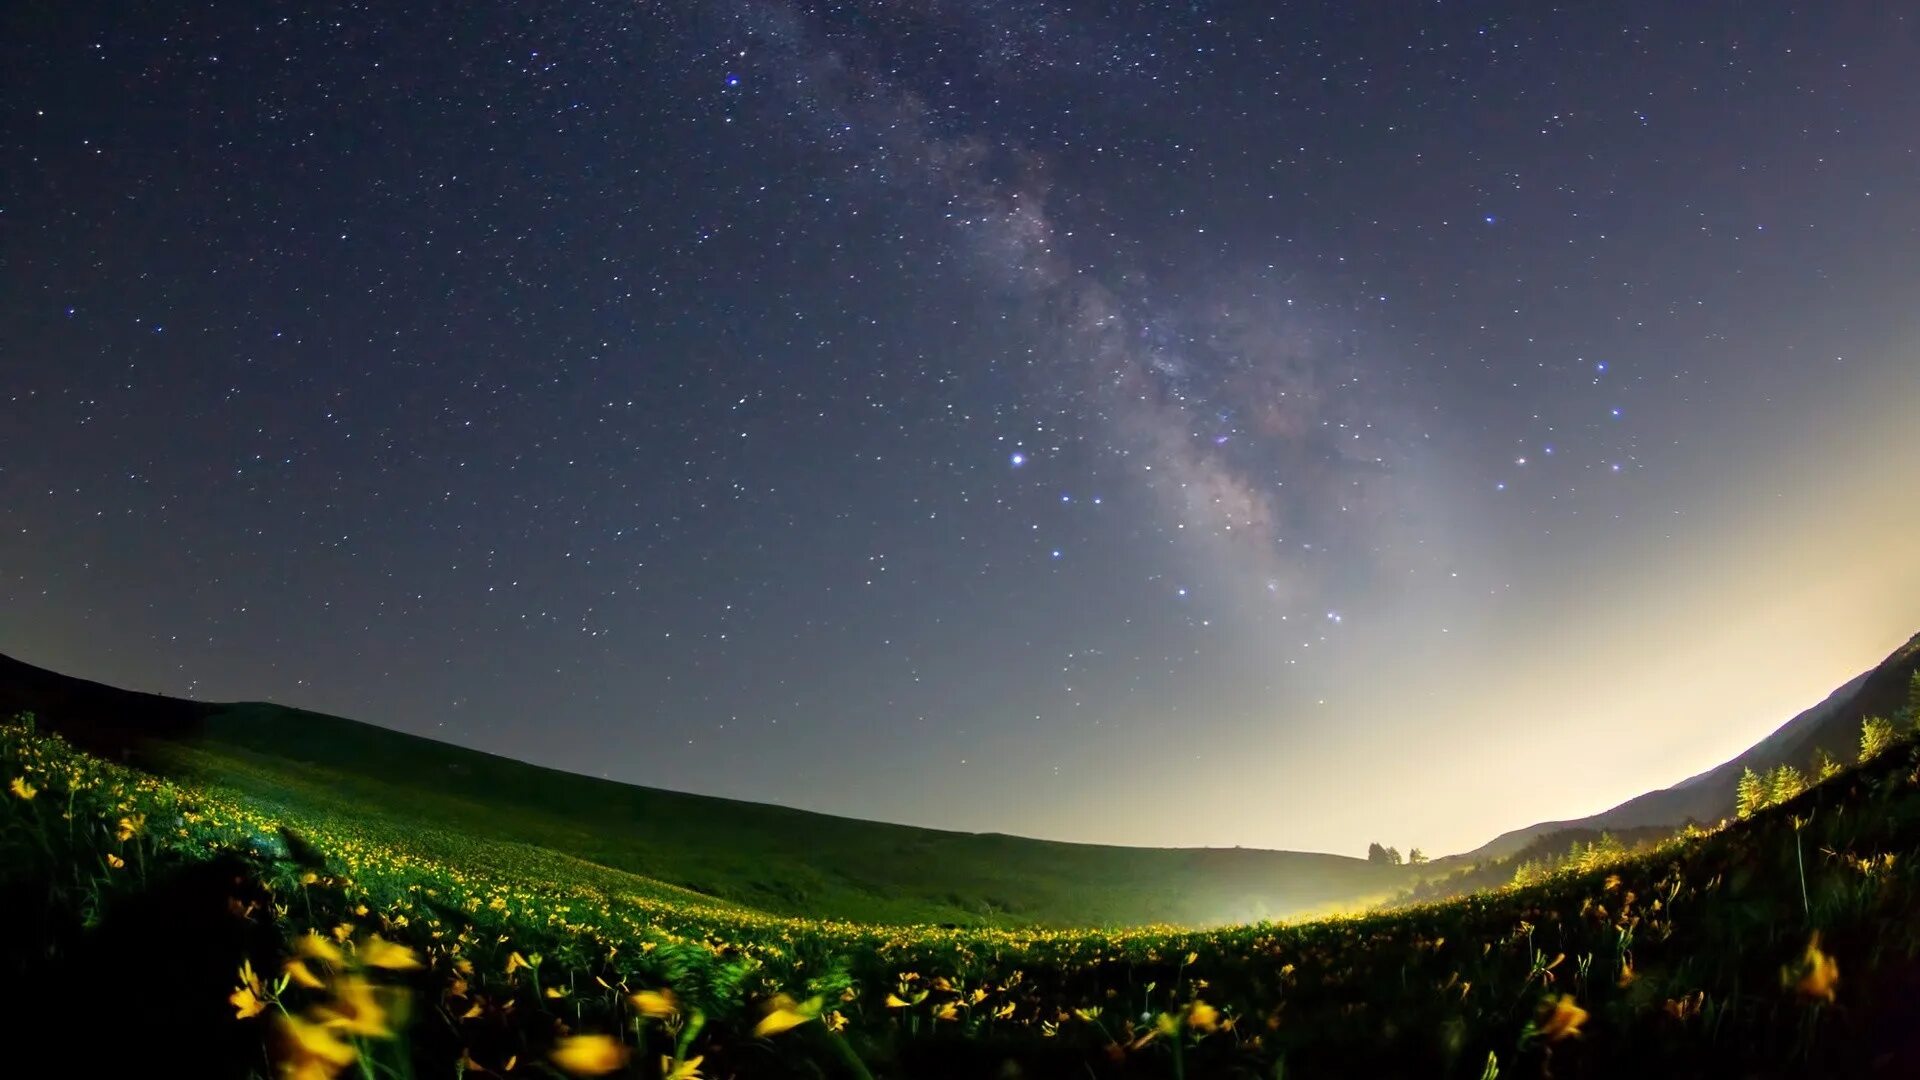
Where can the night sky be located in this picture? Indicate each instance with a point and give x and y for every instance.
(1278, 425)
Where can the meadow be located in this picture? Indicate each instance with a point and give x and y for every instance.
(209, 928)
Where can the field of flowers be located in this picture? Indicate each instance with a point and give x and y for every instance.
(155, 924)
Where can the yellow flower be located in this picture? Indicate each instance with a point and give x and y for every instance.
(315, 947)
(686, 1070)
(658, 1004)
(589, 1055)
(313, 1050)
(248, 998)
(129, 826)
(356, 1008)
(784, 1015)
(116, 861)
(1003, 1011)
(515, 962)
(949, 1011)
(22, 789)
(1202, 1017)
(297, 970)
(1817, 974)
(1564, 1021)
(378, 952)
(894, 1002)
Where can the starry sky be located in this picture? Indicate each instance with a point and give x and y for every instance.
(1282, 425)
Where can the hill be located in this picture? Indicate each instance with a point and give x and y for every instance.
(1833, 725)
(771, 858)
(241, 939)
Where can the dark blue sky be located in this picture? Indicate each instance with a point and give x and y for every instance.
(1206, 423)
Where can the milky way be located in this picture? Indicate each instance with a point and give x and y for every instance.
(1178, 423)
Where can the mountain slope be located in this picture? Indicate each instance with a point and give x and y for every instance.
(770, 857)
(1833, 725)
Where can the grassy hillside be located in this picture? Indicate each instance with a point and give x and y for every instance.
(771, 858)
(232, 937)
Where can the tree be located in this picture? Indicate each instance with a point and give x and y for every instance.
(1750, 795)
(1824, 766)
(1416, 857)
(1393, 857)
(1783, 783)
(1875, 736)
(1377, 854)
(1913, 700)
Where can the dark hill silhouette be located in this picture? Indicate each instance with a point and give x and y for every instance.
(1833, 726)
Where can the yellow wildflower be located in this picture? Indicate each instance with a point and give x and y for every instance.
(313, 1050)
(129, 826)
(949, 1011)
(784, 1015)
(658, 1004)
(297, 970)
(685, 1070)
(1817, 974)
(22, 789)
(356, 1008)
(116, 861)
(1202, 1017)
(315, 947)
(248, 998)
(1564, 1020)
(589, 1055)
(378, 952)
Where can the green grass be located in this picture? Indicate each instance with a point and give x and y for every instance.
(1687, 960)
(768, 857)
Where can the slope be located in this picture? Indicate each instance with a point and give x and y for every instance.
(1833, 725)
(773, 858)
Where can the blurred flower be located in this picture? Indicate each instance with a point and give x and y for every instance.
(312, 1050)
(686, 1070)
(22, 789)
(1202, 1017)
(589, 1055)
(378, 952)
(784, 1015)
(1817, 974)
(658, 1004)
(297, 970)
(356, 1009)
(1564, 1020)
(315, 947)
